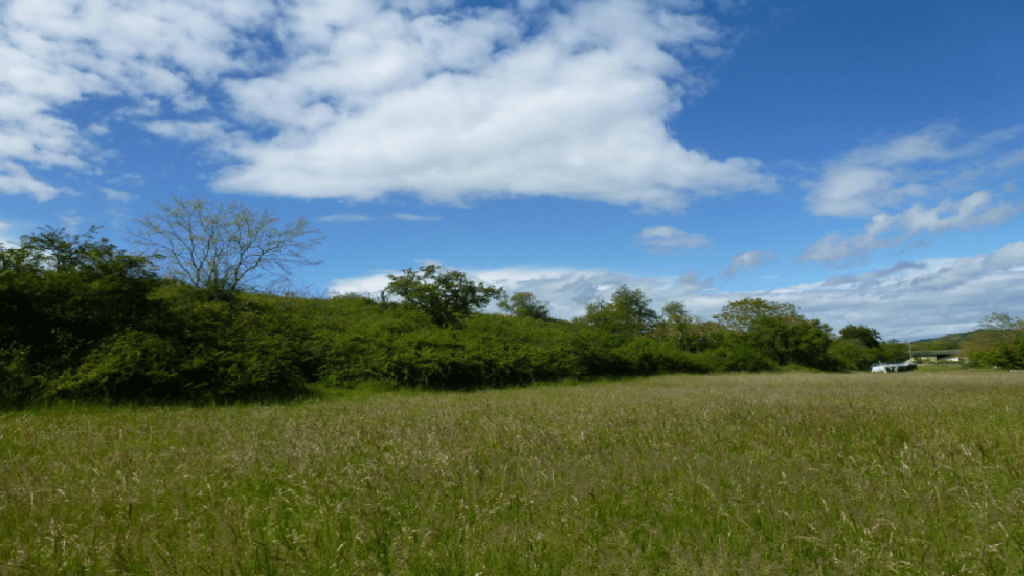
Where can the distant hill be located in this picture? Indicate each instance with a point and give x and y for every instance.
(950, 341)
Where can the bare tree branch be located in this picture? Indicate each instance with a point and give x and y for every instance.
(224, 249)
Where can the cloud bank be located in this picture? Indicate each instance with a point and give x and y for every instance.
(362, 99)
(880, 181)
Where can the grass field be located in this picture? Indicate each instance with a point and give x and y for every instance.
(917, 473)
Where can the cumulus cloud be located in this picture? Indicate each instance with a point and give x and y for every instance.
(63, 51)
(117, 195)
(468, 105)
(343, 218)
(909, 300)
(873, 278)
(666, 239)
(906, 186)
(871, 178)
(958, 273)
(886, 231)
(15, 179)
(748, 260)
(366, 98)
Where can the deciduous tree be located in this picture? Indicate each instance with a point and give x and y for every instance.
(740, 316)
(525, 305)
(223, 249)
(628, 312)
(446, 295)
(866, 336)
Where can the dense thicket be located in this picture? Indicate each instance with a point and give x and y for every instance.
(80, 318)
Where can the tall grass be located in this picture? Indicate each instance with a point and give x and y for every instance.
(770, 474)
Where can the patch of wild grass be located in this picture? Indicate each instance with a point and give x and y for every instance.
(770, 474)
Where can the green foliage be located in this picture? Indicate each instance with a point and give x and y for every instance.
(998, 344)
(20, 385)
(84, 320)
(738, 354)
(81, 319)
(792, 340)
(447, 296)
(627, 315)
(866, 336)
(1002, 322)
(766, 334)
(525, 305)
(223, 249)
(740, 316)
(205, 351)
(681, 327)
(61, 294)
(852, 355)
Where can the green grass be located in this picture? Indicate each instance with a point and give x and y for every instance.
(916, 473)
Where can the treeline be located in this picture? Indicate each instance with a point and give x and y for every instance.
(83, 319)
(998, 344)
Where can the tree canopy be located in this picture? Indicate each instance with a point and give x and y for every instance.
(628, 312)
(866, 336)
(525, 305)
(739, 316)
(59, 291)
(447, 296)
(223, 249)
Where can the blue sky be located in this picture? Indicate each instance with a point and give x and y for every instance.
(861, 159)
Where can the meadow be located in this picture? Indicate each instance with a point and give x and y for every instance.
(917, 473)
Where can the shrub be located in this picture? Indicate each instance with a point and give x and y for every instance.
(19, 385)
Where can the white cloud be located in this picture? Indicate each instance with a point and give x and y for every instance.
(117, 195)
(15, 179)
(71, 221)
(962, 271)
(871, 178)
(923, 167)
(669, 239)
(366, 285)
(344, 218)
(977, 209)
(62, 51)
(875, 277)
(853, 190)
(368, 98)
(465, 105)
(748, 260)
(1010, 159)
(416, 217)
(927, 144)
(130, 177)
(886, 231)
(7, 237)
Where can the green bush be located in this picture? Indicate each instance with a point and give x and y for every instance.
(19, 385)
(129, 366)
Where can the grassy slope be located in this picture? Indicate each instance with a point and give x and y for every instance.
(953, 341)
(774, 474)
